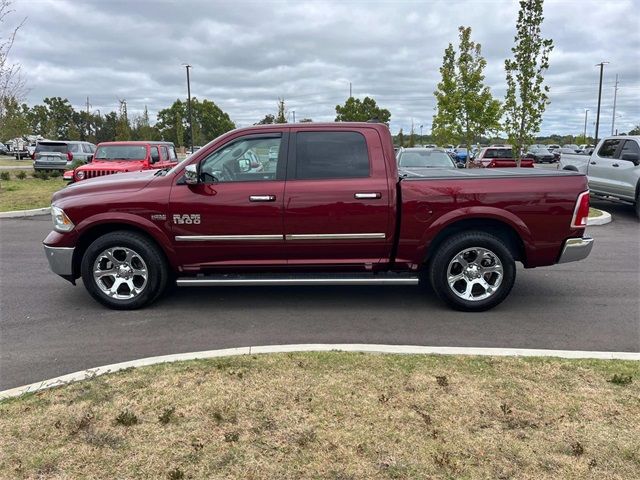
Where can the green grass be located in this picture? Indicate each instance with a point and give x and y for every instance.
(6, 161)
(594, 212)
(333, 416)
(28, 193)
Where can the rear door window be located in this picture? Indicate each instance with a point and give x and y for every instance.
(86, 148)
(609, 147)
(630, 146)
(322, 155)
(52, 147)
(74, 147)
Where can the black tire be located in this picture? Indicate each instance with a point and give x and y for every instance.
(638, 205)
(447, 252)
(146, 250)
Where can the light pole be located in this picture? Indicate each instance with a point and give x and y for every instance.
(586, 111)
(421, 140)
(601, 64)
(293, 112)
(187, 66)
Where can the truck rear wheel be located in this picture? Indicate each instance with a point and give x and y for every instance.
(124, 270)
(472, 271)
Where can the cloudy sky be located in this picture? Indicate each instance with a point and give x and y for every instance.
(247, 54)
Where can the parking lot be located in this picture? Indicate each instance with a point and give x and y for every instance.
(50, 328)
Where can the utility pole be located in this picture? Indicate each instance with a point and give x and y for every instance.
(87, 125)
(421, 140)
(601, 64)
(350, 95)
(615, 96)
(293, 112)
(586, 111)
(187, 66)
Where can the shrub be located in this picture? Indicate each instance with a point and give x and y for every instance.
(75, 164)
(21, 175)
(126, 418)
(6, 176)
(56, 174)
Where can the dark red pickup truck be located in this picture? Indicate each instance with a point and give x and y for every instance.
(314, 204)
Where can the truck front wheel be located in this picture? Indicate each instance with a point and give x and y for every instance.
(124, 270)
(472, 271)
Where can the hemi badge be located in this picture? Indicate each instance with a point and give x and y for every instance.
(158, 216)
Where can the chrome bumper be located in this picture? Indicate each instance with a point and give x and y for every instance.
(576, 249)
(60, 259)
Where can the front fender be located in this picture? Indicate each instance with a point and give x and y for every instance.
(137, 222)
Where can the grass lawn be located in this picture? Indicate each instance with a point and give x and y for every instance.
(28, 193)
(6, 161)
(333, 416)
(594, 212)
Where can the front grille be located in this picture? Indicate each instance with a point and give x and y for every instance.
(98, 173)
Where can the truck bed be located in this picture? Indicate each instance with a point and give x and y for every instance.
(439, 173)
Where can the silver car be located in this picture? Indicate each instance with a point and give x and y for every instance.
(59, 155)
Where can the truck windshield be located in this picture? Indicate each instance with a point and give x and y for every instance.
(121, 152)
(425, 158)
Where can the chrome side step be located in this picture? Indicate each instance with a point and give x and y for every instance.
(300, 279)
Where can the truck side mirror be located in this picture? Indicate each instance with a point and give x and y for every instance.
(89, 158)
(631, 157)
(191, 176)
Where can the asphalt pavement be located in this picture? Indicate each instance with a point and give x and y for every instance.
(49, 328)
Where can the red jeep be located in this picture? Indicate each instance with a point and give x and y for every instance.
(118, 157)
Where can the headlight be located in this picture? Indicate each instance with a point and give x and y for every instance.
(61, 223)
(80, 175)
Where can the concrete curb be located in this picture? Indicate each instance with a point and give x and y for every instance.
(601, 220)
(26, 213)
(343, 347)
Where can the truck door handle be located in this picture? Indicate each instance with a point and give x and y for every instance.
(616, 165)
(262, 198)
(370, 196)
(593, 163)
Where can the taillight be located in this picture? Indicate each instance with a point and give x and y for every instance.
(69, 156)
(33, 156)
(581, 212)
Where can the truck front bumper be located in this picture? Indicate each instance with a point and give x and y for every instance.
(60, 260)
(576, 249)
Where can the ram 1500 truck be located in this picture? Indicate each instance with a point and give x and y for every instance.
(613, 169)
(314, 204)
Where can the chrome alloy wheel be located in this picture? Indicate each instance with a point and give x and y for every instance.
(120, 273)
(475, 274)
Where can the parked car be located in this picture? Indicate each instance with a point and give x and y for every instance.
(540, 155)
(3, 149)
(461, 154)
(119, 157)
(59, 155)
(418, 158)
(334, 211)
(449, 148)
(572, 146)
(497, 157)
(613, 169)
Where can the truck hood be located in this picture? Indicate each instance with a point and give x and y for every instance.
(120, 182)
(115, 165)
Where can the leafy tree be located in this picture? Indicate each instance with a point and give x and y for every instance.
(142, 130)
(527, 96)
(107, 130)
(635, 130)
(123, 128)
(209, 122)
(355, 110)
(59, 114)
(14, 121)
(465, 107)
(267, 120)
(306, 120)
(401, 138)
(281, 117)
(412, 141)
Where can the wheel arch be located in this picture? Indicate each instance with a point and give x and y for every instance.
(90, 233)
(498, 228)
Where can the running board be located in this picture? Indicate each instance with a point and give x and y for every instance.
(299, 279)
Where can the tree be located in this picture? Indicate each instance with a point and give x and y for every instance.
(465, 107)
(527, 96)
(635, 130)
(267, 120)
(401, 138)
(108, 127)
(281, 117)
(355, 110)
(142, 130)
(306, 120)
(15, 122)
(209, 122)
(59, 118)
(12, 85)
(123, 128)
(412, 141)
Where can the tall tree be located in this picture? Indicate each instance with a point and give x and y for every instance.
(59, 114)
(267, 120)
(209, 122)
(15, 119)
(527, 96)
(465, 107)
(12, 84)
(355, 110)
(401, 138)
(281, 116)
(123, 128)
